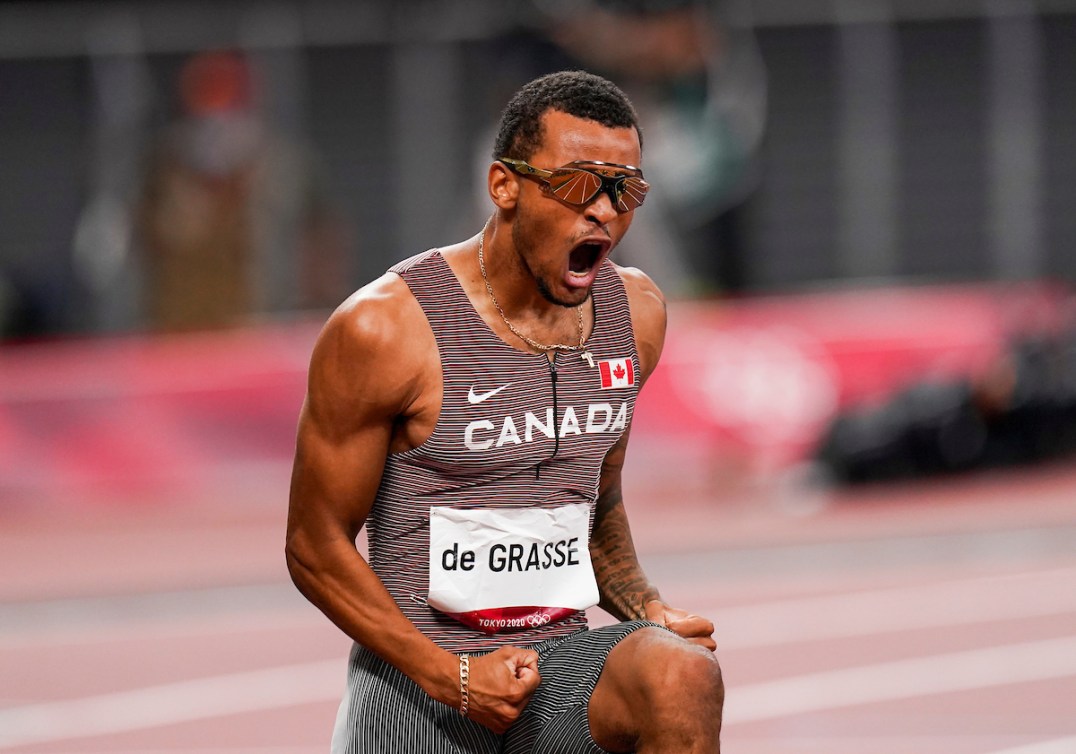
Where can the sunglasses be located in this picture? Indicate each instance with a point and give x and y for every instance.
(579, 186)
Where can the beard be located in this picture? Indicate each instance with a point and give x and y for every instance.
(526, 240)
(543, 289)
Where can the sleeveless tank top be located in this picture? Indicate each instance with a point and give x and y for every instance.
(493, 444)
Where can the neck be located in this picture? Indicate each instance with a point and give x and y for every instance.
(548, 307)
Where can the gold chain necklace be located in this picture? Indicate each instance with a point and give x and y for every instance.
(529, 341)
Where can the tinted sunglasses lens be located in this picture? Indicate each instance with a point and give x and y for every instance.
(574, 186)
(632, 193)
(578, 187)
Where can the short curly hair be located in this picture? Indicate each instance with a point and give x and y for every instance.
(576, 93)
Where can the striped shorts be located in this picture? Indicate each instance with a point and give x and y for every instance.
(385, 711)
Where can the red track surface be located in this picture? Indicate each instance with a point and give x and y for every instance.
(936, 617)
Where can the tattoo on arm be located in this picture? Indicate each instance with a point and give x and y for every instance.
(623, 586)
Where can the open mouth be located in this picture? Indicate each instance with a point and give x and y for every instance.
(584, 257)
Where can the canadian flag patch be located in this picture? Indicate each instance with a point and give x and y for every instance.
(617, 373)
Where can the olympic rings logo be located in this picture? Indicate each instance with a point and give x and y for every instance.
(537, 619)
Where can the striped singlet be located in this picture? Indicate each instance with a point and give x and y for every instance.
(514, 430)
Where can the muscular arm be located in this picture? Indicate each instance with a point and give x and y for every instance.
(366, 392)
(344, 433)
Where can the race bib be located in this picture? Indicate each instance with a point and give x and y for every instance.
(507, 569)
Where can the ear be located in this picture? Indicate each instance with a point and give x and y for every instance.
(503, 186)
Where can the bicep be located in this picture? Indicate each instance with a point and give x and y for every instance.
(355, 396)
(336, 475)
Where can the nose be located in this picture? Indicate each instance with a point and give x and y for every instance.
(602, 209)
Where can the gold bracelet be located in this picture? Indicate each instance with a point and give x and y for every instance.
(465, 674)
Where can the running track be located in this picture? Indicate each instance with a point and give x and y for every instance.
(935, 617)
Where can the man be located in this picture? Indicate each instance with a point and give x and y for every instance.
(233, 219)
(471, 407)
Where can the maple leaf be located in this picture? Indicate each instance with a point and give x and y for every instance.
(619, 372)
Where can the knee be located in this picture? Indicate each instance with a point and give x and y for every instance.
(684, 674)
(696, 671)
(665, 694)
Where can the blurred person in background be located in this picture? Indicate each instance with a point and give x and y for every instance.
(472, 407)
(234, 219)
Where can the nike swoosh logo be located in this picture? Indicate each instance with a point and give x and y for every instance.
(473, 397)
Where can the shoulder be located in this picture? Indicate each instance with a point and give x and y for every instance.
(371, 350)
(371, 319)
(643, 293)
(648, 315)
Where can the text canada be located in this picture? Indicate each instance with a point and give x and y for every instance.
(598, 417)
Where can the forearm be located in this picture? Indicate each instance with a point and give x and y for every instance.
(623, 587)
(339, 582)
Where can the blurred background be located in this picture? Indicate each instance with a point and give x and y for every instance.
(862, 218)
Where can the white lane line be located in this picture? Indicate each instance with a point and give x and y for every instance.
(154, 706)
(117, 631)
(931, 605)
(935, 605)
(902, 679)
(1054, 746)
(322, 681)
(953, 602)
